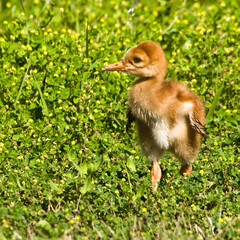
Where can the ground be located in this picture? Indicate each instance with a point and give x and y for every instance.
(68, 168)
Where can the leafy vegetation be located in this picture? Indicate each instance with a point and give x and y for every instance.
(68, 168)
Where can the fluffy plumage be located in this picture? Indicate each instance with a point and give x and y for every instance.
(169, 116)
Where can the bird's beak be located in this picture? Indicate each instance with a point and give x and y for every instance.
(117, 66)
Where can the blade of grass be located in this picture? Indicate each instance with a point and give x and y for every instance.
(87, 40)
(41, 95)
(82, 169)
(77, 24)
(23, 81)
(27, 25)
(177, 15)
(223, 155)
(22, 6)
(71, 157)
(87, 185)
(215, 102)
(53, 186)
(139, 193)
(129, 181)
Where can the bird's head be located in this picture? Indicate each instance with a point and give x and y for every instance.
(146, 60)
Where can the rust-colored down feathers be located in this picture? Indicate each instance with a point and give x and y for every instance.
(169, 116)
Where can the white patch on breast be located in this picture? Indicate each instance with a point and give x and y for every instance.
(187, 106)
(165, 135)
(160, 133)
(179, 130)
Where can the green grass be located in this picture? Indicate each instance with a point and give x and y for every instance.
(68, 169)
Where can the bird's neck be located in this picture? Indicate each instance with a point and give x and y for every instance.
(158, 79)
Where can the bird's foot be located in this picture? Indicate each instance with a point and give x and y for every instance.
(156, 175)
(186, 169)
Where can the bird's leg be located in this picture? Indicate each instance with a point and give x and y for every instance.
(156, 174)
(186, 169)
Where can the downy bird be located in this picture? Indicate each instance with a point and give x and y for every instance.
(168, 115)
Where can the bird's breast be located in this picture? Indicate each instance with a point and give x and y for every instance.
(160, 132)
(142, 101)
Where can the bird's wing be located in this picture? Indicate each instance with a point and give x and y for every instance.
(131, 118)
(197, 125)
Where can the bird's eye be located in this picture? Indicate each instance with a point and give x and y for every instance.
(137, 60)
